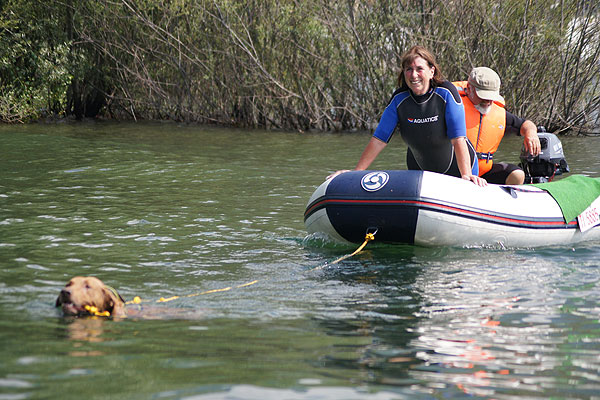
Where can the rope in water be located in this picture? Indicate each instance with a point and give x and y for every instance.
(137, 300)
(368, 238)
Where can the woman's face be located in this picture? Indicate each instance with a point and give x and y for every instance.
(418, 75)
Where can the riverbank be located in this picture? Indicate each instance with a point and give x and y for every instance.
(262, 64)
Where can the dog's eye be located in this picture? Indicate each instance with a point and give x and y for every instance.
(87, 286)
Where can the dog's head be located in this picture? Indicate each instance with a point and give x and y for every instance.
(87, 295)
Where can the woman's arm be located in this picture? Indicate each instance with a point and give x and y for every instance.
(369, 154)
(464, 161)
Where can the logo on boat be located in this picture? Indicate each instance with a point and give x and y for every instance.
(374, 181)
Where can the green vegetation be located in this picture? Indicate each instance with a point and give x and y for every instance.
(289, 64)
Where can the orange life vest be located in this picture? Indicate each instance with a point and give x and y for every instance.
(484, 131)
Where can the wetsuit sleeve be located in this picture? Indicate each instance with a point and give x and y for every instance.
(455, 114)
(513, 123)
(387, 123)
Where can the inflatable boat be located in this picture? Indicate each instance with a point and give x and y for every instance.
(430, 209)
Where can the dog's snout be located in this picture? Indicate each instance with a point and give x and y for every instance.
(63, 297)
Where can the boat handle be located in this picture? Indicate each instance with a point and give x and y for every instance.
(372, 230)
(510, 190)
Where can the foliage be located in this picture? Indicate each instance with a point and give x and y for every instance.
(33, 78)
(289, 64)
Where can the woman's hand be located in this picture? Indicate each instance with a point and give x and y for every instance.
(475, 179)
(464, 161)
(336, 173)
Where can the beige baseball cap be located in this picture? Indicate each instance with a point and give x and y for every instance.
(486, 83)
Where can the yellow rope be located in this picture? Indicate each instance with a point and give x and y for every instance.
(368, 238)
(137, 300)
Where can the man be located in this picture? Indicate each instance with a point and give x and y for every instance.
(487, 121)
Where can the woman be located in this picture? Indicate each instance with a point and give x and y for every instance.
(429, 114)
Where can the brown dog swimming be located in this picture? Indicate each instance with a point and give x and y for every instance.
(88, 295)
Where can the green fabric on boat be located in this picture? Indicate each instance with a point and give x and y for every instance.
(573, 194)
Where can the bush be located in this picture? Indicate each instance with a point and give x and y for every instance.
(294, 65)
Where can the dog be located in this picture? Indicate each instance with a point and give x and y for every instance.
(88, 295)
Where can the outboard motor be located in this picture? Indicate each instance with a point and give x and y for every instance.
(550, 162)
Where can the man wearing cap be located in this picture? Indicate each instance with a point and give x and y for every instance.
(487, 121)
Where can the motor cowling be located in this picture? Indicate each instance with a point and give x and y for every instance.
(546, 165)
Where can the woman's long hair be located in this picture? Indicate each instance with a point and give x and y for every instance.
(419, 51)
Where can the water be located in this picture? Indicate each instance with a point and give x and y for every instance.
(159, 210)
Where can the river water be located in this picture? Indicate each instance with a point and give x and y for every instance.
(161, 210)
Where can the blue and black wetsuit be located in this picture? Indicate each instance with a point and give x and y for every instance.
(427, 123)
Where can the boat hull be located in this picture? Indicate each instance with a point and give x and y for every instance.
(425, 208)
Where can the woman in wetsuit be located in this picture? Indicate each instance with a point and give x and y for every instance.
(428, 112)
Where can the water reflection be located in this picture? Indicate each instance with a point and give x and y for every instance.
(81, 331)
(493, 328)
(85, 330)
(484, 323)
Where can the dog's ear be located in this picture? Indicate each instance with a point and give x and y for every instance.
(115, 293)
(113, 302)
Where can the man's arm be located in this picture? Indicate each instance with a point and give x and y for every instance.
(531, 141)
(527, 129)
